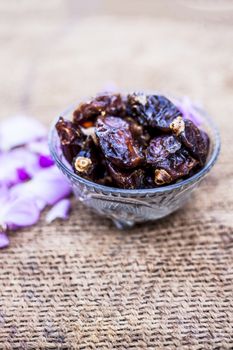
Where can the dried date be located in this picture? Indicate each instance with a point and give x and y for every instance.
(71, 138)
(169, 159)
(176, 166)
(89, 162)
(194, 139)
(161, 148)
(86, 113)
(117, 143)
(127, 179)
(154, 111)
(138, 132)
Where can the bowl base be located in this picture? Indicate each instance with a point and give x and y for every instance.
(123, 225)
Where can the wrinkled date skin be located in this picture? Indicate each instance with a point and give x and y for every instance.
(139, 132)
(160, 148)
(154, 111)
(117, 143)
(71, 138)
(86, 113)
(177, 165)
(132, 142)
(196, 141)
(90, 163)
(166, 152)
(127, 179)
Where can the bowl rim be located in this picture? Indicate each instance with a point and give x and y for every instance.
(113, 190)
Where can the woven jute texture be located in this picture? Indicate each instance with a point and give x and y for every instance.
(82, 284)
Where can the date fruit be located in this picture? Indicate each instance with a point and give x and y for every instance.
(117, 143)
(86, 113)
(160, 148)
(127, 179)
(176, 166)
(154, 111)
(169, 160)
(71, 138)
(194, 139)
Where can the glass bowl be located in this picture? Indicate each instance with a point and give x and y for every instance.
(128, 207)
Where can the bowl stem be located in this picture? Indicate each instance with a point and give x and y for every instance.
(123, 224)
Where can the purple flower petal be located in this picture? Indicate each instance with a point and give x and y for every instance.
(22, 174)
(4, 194)
(41, 204)
(20, 212)
(110, 86)
(45, 161)
(4, 240)
(40, 147)
(8, 174)
(12, 161)
(59, 210)
(188, 110)
(29, 179)
(42, 150)
(48, 185)
(19, 130)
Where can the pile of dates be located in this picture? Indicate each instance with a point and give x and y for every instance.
(132, 141)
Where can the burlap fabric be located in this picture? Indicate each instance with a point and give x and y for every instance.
(82, 284)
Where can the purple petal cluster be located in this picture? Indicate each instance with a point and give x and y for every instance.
(29, 180)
